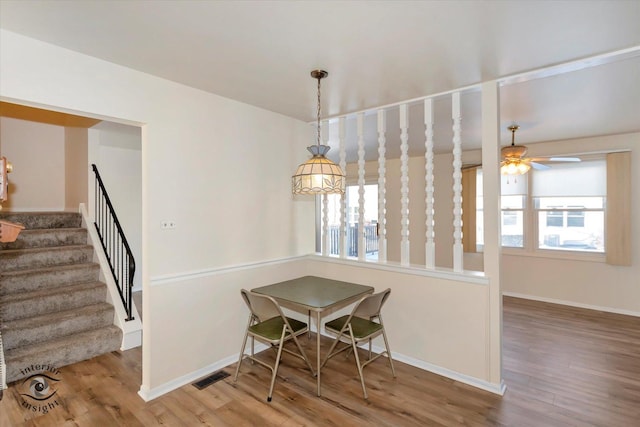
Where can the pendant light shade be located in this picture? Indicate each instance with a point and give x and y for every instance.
(318, 175)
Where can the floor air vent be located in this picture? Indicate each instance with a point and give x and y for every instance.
(207, 381)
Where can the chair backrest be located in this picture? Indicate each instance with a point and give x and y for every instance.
(371, 305)
(263, 307)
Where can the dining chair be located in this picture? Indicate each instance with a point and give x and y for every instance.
(268, 324)
(360, 326)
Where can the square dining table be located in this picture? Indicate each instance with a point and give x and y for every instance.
(318, 295)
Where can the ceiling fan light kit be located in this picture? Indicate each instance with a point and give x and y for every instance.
(318, 175)
(513, 162)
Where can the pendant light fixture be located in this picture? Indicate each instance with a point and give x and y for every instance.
(318, 175)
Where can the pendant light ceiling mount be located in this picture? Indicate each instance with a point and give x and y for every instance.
(319, 74)
(318, 175)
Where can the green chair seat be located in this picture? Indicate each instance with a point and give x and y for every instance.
(271, 329)
(360, 327)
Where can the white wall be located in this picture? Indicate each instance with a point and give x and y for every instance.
(75, 152)
(36, 151)
(424, 327)
(220, 169)
(116, 150)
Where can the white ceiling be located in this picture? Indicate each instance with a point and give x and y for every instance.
(377, 53)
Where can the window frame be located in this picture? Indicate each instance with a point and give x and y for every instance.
(531, 231)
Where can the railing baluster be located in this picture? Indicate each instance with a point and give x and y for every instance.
(382, 202)
(457, 183)
(404, 179)
(114, 244)
(361, 163)
(430, 246)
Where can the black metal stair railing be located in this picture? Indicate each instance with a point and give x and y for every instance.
(114, 243)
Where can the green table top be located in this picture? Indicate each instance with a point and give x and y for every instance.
(315, 293)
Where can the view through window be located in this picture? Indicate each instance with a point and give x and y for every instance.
(352, 221)
(566, 204)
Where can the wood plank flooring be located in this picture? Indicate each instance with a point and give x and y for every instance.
(563, 367)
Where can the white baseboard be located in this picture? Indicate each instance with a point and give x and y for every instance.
(573, 304)
(438, 370)
(150, 394)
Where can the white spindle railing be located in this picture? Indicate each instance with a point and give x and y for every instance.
(404, 191)
(362, 242)
(430, 245)
(457, 183)
(382, 201)
(326, 241)
(348, 241)
(343, 197)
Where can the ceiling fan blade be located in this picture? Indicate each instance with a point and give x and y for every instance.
(564, 159)
(538, 166)
(555, 159)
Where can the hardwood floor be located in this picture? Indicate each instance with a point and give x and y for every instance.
(563, 367)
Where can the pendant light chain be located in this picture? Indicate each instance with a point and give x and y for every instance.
(319, 106)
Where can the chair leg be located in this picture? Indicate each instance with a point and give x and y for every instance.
(355, 353)
(244, 344)
(386, 344)
(275, 368)
(369, 349)
(333, 346)
(304, 355)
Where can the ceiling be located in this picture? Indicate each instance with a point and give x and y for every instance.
(377, 53)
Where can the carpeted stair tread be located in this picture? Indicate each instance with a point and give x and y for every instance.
(62, 351)
(47, 237)
(47, 277)
(42, 301)
(33, 220)
(16, 259)
(20, 332)
(53, 308)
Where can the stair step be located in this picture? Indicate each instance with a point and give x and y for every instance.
(43, 301)
(62, 351)
(49, 277)
(31, 330)
(47, 237)
(33, 220)
(16, 259)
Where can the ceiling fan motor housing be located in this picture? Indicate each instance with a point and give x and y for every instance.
(513, 151)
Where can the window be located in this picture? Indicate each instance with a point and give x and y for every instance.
(513, 221)
(571, 223)
(513, 202)
(569, 200)
(568, 208)
(352, 221)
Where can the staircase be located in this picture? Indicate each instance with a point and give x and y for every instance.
(53, 307)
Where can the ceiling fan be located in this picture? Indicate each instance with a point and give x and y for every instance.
(514, 161)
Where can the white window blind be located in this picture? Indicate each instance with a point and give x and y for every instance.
(514, 186)
(587, 178)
